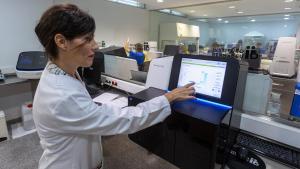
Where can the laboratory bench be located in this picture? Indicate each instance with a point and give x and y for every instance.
(13, 93)
(26, 151)
(12, 79)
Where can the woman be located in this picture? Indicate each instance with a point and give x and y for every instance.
(69, 123)
(138, 55)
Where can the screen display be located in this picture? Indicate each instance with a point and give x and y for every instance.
(208, 76)
(32, 60)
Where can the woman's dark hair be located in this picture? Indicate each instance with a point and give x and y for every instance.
(139, 47)
(65, 19)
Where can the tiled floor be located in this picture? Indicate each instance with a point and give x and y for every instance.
(119, 153)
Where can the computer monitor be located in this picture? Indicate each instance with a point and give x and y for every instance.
(119, 67)
(209, 78)
(92, 74)
(139, 76)
(114, 50)
(192, 48)
(171, 50)
(32, 61)
(215, 77)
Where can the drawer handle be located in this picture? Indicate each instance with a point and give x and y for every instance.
(277, 84)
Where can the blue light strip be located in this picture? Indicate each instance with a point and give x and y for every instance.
(214, 103)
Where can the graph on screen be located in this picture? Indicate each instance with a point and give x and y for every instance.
(208, 76)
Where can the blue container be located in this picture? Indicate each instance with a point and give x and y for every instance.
(295, 109)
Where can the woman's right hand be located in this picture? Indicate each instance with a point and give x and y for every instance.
(181, 93)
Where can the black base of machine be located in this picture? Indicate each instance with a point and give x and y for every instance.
(183, 140)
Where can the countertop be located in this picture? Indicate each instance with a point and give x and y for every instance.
(12, 79)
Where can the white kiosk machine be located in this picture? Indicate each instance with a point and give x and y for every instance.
(283, 62)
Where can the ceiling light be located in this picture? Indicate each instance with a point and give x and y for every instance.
(202, 20)
(205, 15)
(231, 7)
(226, 21)
(220, 19)
(287, 15)
(160, 1)
(285, 26)
(287, 8)
(240, 12)
(287, 1)
(192, 11)
(252, 20)
(286, 18)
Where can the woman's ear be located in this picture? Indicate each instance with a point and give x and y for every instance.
(60, 41)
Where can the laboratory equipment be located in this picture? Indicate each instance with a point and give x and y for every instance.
(2, 77)
(31, 64)
(171, 50)
(92, 74)
(187, 138)
(114, 50)
(178, 33)
(284, 58)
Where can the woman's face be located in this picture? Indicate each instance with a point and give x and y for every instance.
(81, 50)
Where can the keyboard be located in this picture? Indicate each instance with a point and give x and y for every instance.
(275, 151)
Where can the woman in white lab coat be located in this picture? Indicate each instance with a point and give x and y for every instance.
(69, 123)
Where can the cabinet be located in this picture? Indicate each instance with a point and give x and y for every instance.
(285, 87)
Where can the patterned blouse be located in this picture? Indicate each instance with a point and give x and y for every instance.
(54, 69)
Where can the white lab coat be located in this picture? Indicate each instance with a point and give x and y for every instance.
(70, 124)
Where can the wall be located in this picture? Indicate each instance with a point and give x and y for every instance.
(157, 17)
(18, 19)
(298, 37)
(231, 33)
(116, 22)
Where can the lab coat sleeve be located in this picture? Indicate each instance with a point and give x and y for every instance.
(79, 114)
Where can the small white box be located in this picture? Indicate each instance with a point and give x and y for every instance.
(27, 117)
(3, 126)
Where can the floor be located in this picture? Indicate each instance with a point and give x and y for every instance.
(119, 153)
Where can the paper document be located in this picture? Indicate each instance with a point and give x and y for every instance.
(120, 102)
(105, 98)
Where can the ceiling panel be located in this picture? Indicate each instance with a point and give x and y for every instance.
(212, 9)
(154, 5)
(247, 7)
(261, 18)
